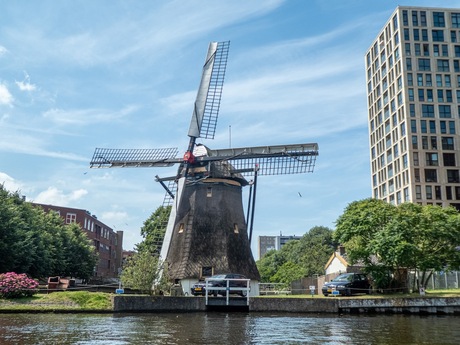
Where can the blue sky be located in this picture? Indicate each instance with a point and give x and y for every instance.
(76, 75)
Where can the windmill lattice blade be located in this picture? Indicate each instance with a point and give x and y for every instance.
(207, 103)
(271, 160)
(109, 158)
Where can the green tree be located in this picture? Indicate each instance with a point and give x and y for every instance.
(357, 227)
(154, 229)
(141, 271)
(389, 239)
(298, 259)
(39, 243)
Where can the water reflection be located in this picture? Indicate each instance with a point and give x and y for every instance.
(226, 328)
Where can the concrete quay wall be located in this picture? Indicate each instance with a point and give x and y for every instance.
(448, 305)
(444, 306)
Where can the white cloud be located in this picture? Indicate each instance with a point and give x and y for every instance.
(85, 117)
(5, 95)
(54, 196)
(10, 183)
(25, 86)
(3, 51)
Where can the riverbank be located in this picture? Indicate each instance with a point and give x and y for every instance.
(87, 302)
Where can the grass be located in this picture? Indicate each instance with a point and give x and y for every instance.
(65, 300)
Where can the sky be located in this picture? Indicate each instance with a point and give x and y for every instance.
(76, 75)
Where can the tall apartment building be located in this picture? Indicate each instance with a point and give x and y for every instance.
(107, 242)
(267, 243)
(413, 94)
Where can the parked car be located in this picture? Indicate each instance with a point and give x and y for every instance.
(198, 289)
(347, 284)
(219, 281)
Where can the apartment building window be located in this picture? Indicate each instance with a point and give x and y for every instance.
(428, 81)
(448, 98)
(449, 159)
(416, 33)
(429, 95)
(440, 95)
(409, 64)
(405, 161)
(431, 175)
(447, 81)
(407, 49)
(406, 194)
(457, 193)
(453, 36)
(70, 218)
(437, 192)
(457, 51)
(405, 18)
(424, 64)
(414, 142)
(443, 127)
(422, 18)
(453, 176)
(415, 156)
(438, 19)
(425, 35)
(451, 127)
(423, 128)
(429, 192)
(413, 126)
(448, 192)
(443, 65)
(455, 19)
(444, 111)
(414, 18)
(421, 95)
(445, 50)
(447, 143)
(412, 110)
(434, 143)
(436, 49)
(426, 50)
(432, 159)
(417, 175)
(406, 35)
(419, 79)
(427, 110)
(456, 66)
(418, 192)
(425, 142)
(437, 35)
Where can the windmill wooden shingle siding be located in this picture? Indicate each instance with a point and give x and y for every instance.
(207, 230)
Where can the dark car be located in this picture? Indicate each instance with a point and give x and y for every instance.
(198, 289)
(347, 284)
(221, 280)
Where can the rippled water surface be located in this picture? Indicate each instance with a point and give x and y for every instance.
(226, 328)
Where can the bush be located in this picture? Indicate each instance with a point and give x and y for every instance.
(14, 285)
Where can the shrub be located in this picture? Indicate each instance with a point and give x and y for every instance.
(14, 285)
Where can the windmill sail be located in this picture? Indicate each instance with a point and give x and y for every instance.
(207, 103)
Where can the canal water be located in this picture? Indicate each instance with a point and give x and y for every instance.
(226, 328)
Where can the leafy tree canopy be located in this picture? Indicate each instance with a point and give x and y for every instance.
(298, 258)
(39, 243)
(409, 236)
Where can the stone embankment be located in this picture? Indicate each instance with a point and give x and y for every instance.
(425, 305)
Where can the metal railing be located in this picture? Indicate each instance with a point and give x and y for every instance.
(215, 290)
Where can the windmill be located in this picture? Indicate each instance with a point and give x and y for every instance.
(207, 231)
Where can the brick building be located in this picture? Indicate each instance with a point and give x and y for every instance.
(108, 243)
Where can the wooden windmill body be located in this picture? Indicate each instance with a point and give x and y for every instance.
(207, 232)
